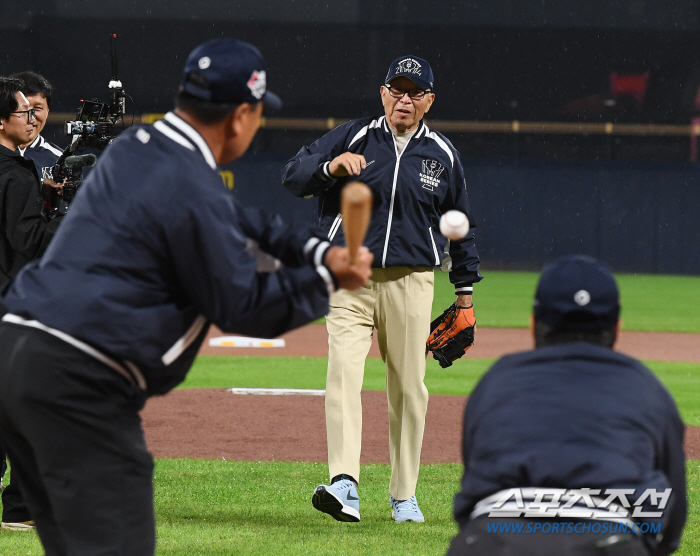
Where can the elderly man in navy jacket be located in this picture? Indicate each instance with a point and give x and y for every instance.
(415, 175)
(152, 252)
(571, 448)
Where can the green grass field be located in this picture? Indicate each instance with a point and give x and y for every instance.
(261, 508)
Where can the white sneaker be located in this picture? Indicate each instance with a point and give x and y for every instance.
(18, 526)
(406, 510)
(339, 500)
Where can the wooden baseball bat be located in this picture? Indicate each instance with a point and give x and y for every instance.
(356, 209)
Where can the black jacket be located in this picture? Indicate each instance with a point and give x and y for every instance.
(574, 416)
(25, 229)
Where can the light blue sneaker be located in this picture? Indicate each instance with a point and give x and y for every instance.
(406, 510)
(339, 500)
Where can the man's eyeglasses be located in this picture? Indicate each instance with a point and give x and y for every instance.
(31, 114)
(413, 94)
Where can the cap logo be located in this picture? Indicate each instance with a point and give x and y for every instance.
(204, 62)
(408, 65)
(582, 297)
(143, 136)
(257, 84)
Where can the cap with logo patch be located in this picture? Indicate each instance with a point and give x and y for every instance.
(414, 68)
(577, 293)
(228, 71)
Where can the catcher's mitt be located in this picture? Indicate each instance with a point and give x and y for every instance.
(451, 334)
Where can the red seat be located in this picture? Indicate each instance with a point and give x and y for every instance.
(629, 85)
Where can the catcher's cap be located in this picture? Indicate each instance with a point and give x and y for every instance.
(416, 69)
(577, 293)
(228, 71)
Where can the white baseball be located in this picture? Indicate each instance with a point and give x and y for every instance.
(454, 224)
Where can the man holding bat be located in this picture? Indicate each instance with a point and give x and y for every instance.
(153, 250)
(415, 175)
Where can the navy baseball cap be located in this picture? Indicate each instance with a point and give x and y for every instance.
(228, 71)
(416, 69)
(577, 293)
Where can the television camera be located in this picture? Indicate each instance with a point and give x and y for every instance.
(93, 128)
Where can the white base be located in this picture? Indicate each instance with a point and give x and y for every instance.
(244, 342)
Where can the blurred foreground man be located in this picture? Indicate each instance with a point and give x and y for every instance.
(572, 448)
(152, 252)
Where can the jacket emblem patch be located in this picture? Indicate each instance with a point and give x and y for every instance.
(430, 176)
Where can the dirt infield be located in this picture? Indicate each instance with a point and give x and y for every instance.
(213, 423)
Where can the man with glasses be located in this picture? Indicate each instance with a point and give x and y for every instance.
(415, 175)
(26, 231)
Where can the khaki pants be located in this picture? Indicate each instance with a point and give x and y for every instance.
(397, 302)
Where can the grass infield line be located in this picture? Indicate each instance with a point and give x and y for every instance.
(224, 371)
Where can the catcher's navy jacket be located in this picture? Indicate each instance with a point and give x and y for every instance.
(153, 249)
(411, 192)
(571, 416)
(43, 154)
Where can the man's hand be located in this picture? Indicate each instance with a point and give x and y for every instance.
(350, 277)
(47, 187)
(347, 164)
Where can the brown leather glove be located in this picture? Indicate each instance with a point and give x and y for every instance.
(451, 334)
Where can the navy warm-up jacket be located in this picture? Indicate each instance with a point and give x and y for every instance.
(573, 416)
(43, 154)
(411, 191)
(154, 249)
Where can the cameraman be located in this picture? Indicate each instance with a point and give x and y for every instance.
(25, 229)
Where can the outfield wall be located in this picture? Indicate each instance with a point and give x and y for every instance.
(485, 73)
(637, 217)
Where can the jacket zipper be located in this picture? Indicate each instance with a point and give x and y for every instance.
(432, 238)
(393, 196)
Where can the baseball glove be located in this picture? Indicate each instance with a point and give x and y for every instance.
(451, 334)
